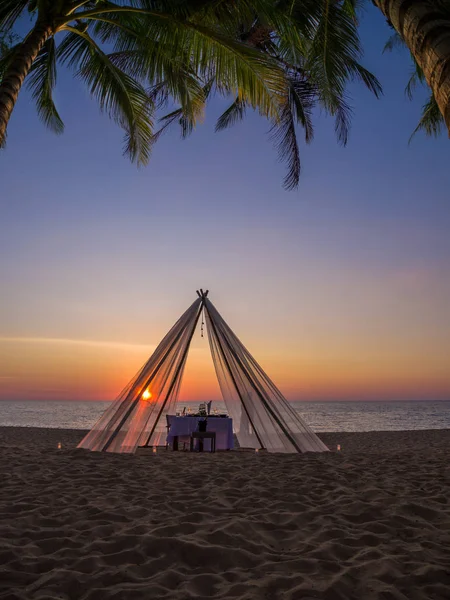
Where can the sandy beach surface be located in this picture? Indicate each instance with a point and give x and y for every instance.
(370, 522)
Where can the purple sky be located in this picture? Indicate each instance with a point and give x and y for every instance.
(341, 289)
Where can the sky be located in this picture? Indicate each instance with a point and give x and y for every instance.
(340, 289)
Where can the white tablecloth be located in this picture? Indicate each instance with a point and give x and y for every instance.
(184, 426)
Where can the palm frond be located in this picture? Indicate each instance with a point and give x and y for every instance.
(234, 113)
(432, 122)
(353, 8)
(173, 80)
(72, 48)
(156, 61)
(279, 58)
(7, 51)
(121, 97)
(42, 80)
(176, 116)
(10, 11)
(343, 115)
(186, 119)
(235, 66)
(302, 99)
(395, 41)
(417, 77)
(284, 136)
(167, 121)
(333, 60)
(298, 108)
(411, 85)
(358, 72)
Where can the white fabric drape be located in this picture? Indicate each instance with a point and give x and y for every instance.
(262, 417)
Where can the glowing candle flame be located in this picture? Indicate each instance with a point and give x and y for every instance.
(59, 445)
(146, 395)
(154, 449)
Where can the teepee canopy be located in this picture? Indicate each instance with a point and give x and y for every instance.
(262, 417)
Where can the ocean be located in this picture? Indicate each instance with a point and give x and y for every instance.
(321, 416)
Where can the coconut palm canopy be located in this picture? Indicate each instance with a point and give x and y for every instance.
(262, 417)
(423, 26)
(432, 121)
(138, 56)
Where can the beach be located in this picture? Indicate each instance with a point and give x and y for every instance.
(369, 522)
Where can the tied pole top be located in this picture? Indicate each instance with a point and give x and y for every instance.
(201, 294)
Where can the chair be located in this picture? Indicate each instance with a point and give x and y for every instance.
(168, 428)
(176, 438)
(201, 436)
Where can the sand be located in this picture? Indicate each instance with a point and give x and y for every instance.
(371, 522)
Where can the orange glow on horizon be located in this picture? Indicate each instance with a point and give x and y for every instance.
(49, 369)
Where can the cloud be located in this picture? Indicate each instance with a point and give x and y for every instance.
(91, 343)
(67, 341)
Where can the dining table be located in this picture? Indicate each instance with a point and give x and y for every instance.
(185, 425)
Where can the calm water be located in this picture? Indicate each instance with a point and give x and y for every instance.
(322, 416)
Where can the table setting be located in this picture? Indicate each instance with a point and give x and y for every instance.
(185, 425)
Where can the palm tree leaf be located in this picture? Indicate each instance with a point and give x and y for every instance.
(302, 99)
(190, 118)
(6, 53)
(177, 115)
(357, 71)
(236, 67)
(284, 136)
(411, 85)
(42, 80)
(235, 112)
(185, 117)
(170, 68)
(394, 41)
(334, 40)
(343, 114)
(298, 107)
(432, 122)
(179, 84)
(72, 48)
(121, 97)
(10, 11)
(167, 121)
(353, 8)
(417, 76)
(77, 4)
(279, 57)
(333, 61)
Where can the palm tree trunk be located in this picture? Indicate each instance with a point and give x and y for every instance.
(18, 70)
(426, 32)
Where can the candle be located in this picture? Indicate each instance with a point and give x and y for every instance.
(59, 445)
(154, 449)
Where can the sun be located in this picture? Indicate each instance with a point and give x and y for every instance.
(146, 395)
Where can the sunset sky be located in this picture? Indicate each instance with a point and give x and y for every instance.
(341, 289)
